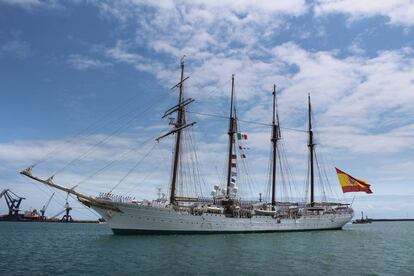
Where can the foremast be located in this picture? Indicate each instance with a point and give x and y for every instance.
(179, 125)
(311, 153)
(180, 122)
(231, 132)
(275, 137)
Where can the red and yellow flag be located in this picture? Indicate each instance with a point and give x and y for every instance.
(352, 184)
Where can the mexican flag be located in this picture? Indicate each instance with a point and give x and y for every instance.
(241, 136)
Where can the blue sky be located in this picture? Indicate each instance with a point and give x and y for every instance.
(74, 72)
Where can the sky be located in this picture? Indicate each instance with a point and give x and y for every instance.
(84, 84)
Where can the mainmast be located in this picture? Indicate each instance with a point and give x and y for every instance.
(310, 146)
(231, 132)
(274, 139)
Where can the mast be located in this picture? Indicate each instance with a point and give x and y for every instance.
(232, 124)
(178, 127)
(179, 124)
(274, 139)
(310, 146)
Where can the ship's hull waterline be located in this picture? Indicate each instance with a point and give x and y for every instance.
(138, 219)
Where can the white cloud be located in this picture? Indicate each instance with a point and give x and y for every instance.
(203, 29)
(82, 63)
(363, 100)
(31, 4)
(399, 12)
(120, 53)
(356, 49)
(15, 48)
(204, 9)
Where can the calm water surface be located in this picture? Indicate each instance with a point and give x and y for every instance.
(382, 248)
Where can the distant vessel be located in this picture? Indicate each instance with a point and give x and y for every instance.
(362, 220)
(224, 211)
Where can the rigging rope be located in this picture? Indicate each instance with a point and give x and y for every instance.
(244, 121)
(321, 181)
(134, 167)
(120, 157)
(92, 126)
(106, 138)
(154, 169)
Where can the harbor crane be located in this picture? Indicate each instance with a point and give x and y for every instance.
(67, 217)
(43, 210)
(13, 202)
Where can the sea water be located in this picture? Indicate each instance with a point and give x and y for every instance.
(380, 248)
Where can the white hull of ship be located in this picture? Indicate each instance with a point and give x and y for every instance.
(136, 219)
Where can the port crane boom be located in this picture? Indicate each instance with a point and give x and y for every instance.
(43, 210)
(13, 201)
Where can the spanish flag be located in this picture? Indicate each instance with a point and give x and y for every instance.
(351, 184)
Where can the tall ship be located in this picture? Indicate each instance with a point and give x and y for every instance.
(224, 210)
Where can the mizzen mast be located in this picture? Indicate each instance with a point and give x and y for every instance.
(231, 132)
(311, 146)
(274, 139)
